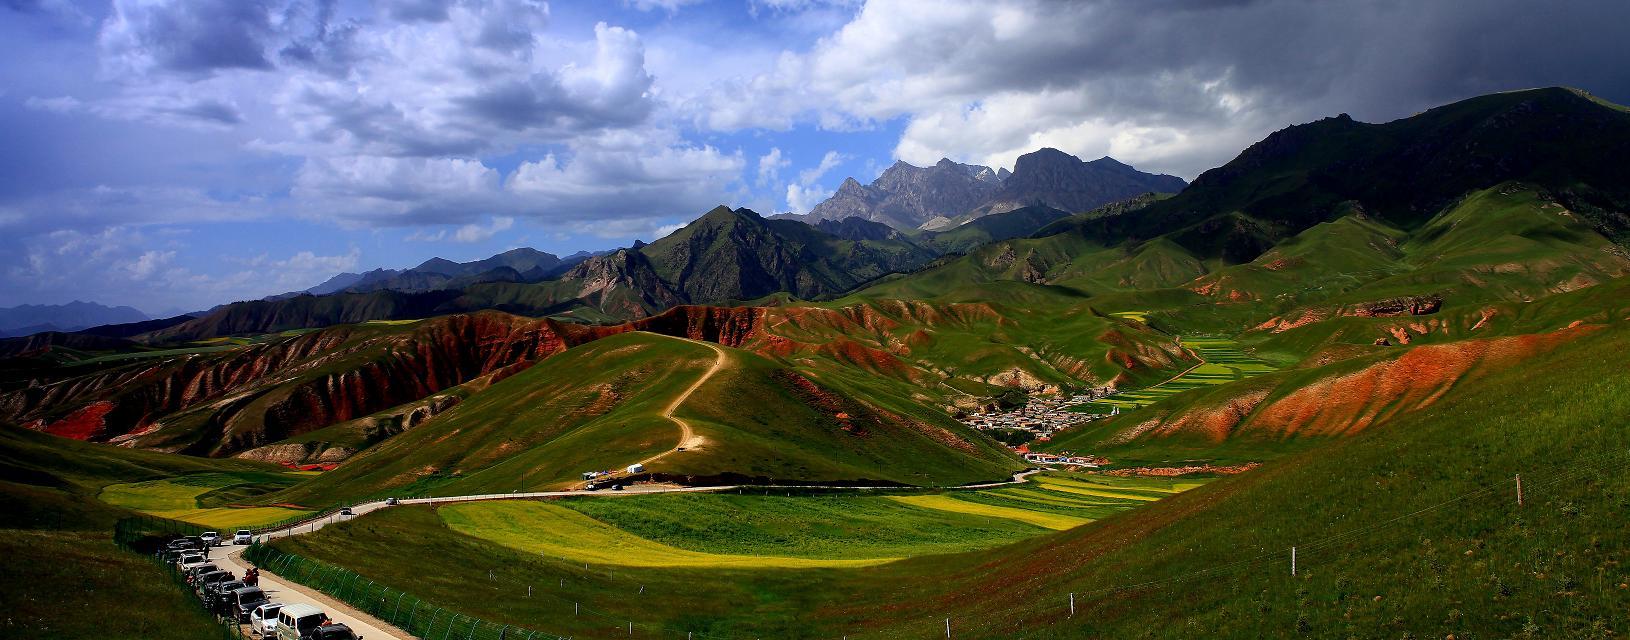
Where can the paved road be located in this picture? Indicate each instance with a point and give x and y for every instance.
(368, 507)
(286, 592)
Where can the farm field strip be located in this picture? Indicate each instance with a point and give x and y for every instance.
(178, 499)
(771, 531)
(1054, 521)
(1224, 362)
(553, 530)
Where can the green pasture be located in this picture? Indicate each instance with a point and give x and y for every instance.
(204, 499)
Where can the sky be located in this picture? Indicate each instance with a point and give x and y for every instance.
(174, 155)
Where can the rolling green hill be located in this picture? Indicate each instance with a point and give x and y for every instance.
(1408, 528)
(607, 404)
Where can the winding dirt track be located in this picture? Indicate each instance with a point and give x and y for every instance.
(688, 439)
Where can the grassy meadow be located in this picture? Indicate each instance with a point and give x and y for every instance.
(204, 499)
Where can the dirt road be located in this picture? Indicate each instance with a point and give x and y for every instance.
(688, 439)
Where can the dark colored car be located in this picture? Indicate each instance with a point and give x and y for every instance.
(196, 570)
(390, 502)
(334, 632)
(203, 580)
(218, 596)
(244, 601)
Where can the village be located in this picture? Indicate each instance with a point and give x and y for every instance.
(1036, 421)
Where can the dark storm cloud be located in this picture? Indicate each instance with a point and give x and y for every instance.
(209, 111)
(194, 37)
(415, 10)
(1178, 82)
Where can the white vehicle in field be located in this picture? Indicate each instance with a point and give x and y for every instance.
(243, 536)
(297, 621)
(211, 538)
(263, 620)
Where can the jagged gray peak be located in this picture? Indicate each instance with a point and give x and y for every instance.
(906, 195)
(1057, 179)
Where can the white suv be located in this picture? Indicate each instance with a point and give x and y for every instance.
(243, 536)
(210, 538)
(263, 620)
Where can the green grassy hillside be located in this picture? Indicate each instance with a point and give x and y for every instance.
(604, 405)
(1410, 528)
(63, 577)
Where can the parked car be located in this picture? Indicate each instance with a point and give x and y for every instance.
(346, 512)
(243, 536)
(263, 620)
(297, 621)
(390, 502)
(191, 559)
(218, 596)
(210, 538)
(244, 601)
(616, 487)
(193, 571)
(334, 632)
(203, 580)
(591, 487)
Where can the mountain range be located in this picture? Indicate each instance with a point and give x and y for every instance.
(949, 193)
(28, 319)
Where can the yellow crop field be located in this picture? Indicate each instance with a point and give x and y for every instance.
(947, 503)
(177, 499)
(539, 527)
(1088, 490)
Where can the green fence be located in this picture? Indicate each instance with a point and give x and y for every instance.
(403, 611)
(145, 535)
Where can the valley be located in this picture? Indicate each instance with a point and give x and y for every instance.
(1041, 404)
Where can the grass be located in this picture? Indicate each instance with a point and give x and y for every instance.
(185, 497)
(1224, 362)
(952, 504)
(555, 531)
(62, 576)
(839, 526)
(78, 584)
(600, 406)
(1476, 569)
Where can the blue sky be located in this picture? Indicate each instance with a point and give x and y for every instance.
(175, 155)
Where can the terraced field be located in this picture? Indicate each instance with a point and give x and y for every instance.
(205, 499)
(1224, 362)
(803, 531)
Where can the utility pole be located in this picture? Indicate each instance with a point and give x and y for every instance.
(1072, 604)
(1293, 561)
(947, 628)
(1519, 490)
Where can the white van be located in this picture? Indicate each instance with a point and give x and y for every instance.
(297, 621)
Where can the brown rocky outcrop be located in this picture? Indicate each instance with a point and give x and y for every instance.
(218, 404)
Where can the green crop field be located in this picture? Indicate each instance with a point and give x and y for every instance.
(802, 531)
(555, 531)
(1224, 362)
(200, 498)
(837, 526)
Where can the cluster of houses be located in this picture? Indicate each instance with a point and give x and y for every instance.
(1042, 415)
(1087, 462)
